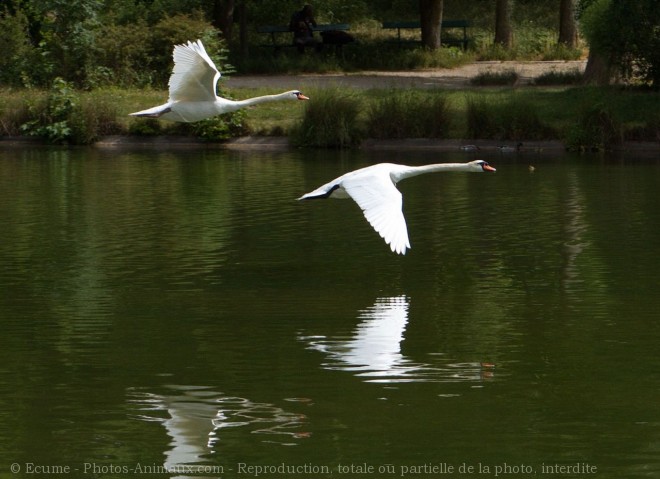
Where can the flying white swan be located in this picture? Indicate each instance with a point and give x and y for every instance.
(374, 189)
(193, 89)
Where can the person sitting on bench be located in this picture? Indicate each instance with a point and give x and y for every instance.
(301, 25)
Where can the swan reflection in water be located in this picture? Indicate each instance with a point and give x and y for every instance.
(194, 417)
(373, 351)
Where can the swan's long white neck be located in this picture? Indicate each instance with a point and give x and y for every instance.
(419, 170)
(259, 99)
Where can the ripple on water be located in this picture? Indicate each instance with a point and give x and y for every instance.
(196, 417)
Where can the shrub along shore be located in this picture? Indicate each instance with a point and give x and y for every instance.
(581, 118)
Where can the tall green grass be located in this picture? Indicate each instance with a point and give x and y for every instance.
(597, 128)
(513, 117)
(331, 120)
(409, 114)
(337, 119)
(482, 119)
(15, 110)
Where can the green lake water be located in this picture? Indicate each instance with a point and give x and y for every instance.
(180, 314)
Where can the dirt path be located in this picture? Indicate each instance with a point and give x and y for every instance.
(440, 78)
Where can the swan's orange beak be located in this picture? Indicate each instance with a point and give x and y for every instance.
(302, 97)
(489, 168)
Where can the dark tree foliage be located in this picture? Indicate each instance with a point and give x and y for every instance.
(624, 39)
(129, 42)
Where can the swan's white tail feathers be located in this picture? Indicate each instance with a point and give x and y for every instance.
(312, 195)
(154, 112)
(321, 192)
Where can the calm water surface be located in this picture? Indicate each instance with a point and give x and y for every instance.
(179, 313)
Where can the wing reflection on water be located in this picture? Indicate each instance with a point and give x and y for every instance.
(194, 417)
(373, 351)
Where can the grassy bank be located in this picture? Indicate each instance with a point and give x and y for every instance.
(582, 117)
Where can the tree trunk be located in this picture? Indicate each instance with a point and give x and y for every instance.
(503, 29)
(599, 69)
(223, 17)
(567, 24)
(430, 12)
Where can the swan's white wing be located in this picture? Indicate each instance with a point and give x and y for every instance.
(381, 204)
(195, 76)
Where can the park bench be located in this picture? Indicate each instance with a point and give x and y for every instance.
(281, 37)
(446, 25)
